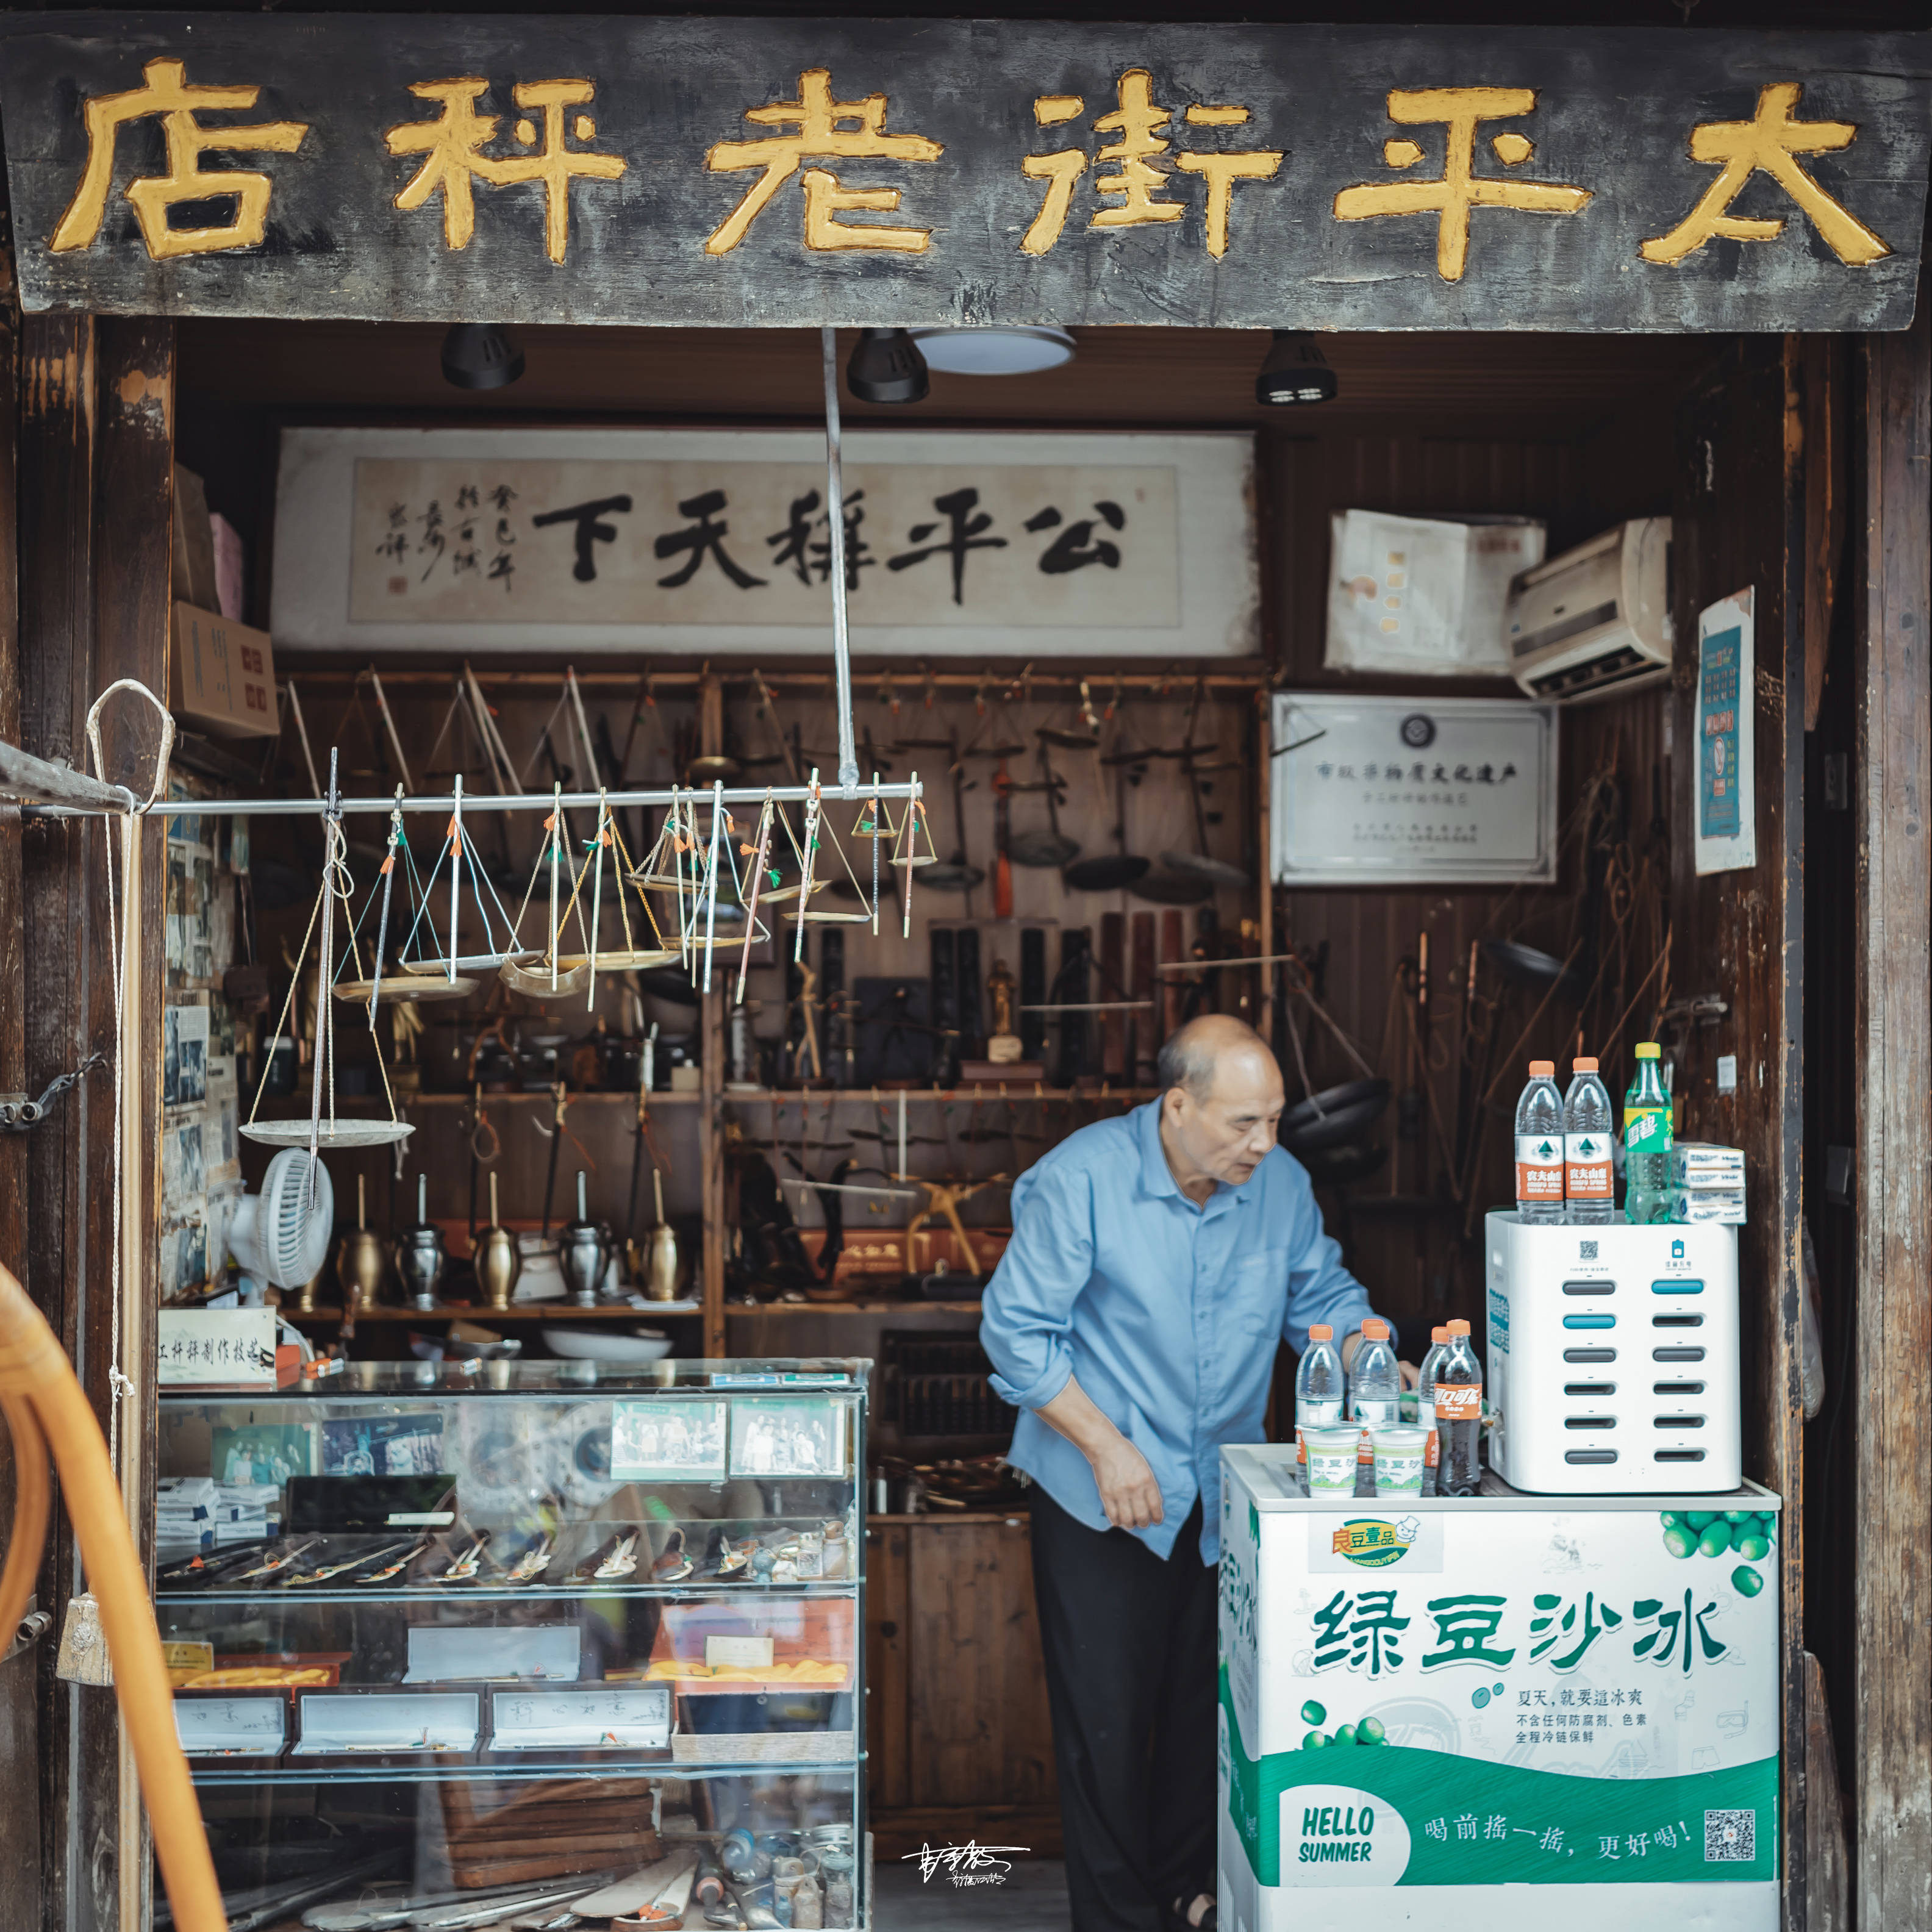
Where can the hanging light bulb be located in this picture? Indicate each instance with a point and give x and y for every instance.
(886, 366)
(1295, 371)
(479, 355)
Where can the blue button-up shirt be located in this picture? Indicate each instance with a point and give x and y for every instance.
(1167, 1314)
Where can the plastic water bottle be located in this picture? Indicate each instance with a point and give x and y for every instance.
(1589, 1183)
(1374, 1389)
(1647, 1142)
(1539, 1146)
(1425, 1404)
(1317, 1387)
(1459, 1415)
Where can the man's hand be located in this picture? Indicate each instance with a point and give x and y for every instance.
(1129, 1493)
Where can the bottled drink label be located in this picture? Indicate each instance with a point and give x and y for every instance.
(1459, 1402)
(1647, 1129)
(1588, 1174)
(1425, 1416)
(1314, 1412)
(1539, 1167)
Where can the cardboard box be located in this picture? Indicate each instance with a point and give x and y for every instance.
(222, 675)
(195, 580)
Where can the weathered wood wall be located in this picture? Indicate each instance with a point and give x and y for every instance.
(1892, 1056)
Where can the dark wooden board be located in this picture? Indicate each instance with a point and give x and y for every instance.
(1892, 1694)
(1609, 112)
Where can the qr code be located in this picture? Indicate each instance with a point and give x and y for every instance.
(1586, 1251)
(1730, 1837)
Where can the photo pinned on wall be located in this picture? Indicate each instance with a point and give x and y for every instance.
(668, 1441)
(184, 1035)
(786, 1436)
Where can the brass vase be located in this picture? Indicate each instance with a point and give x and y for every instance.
(661, 1264)
(361, 1263)
(498, 1264)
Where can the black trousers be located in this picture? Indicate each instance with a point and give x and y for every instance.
(1129, 1641)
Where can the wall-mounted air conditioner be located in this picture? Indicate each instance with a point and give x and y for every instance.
(1595, 621)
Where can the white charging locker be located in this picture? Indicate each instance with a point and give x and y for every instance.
(1613, 1360)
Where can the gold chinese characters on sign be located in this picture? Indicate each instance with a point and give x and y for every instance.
(1138, 153)
(822, 134)
(1133, 166)
(1450, 195)
(165, 90)
(452, 150)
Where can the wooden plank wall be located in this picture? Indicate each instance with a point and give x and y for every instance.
(20, 1877)
(1739, 935)
(1892, 1053)
(1412, 1252)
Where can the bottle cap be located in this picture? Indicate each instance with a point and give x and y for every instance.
(1439, 1334)
(1322, 1332)
(1649, 1050)
(1374, 1331)
(1459, 1328)
(1542, 1069)
(1583, 1066)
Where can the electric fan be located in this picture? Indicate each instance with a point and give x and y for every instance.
(280, 1237)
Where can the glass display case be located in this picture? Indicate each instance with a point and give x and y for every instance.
(552, 1634)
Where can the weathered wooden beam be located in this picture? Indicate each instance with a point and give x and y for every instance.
(1892, 932)
(26, 779)
(60, 882)
(133, 556)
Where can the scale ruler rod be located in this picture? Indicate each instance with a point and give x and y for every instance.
(446, 803)
(842, 641)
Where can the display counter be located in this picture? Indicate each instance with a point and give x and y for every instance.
(528, 1628)
(1457, 1702)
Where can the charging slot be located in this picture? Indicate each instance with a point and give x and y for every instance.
(1685, 1354)
(1589, 1422)
(1589, 1287)
(1590, 1355)
(1677, 1288)
(1595, 1321)
(1672, 1321)
(1677, 1388)
(1590, 1388)
(1594, 1455)
(1680, 1422)
(1679, 1455)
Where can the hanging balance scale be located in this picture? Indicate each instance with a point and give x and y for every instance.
(400, 989)
(317, 1133)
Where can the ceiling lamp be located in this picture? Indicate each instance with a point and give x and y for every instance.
(886, 366)
(1295, 371)
(1005, 350)
(479, 355)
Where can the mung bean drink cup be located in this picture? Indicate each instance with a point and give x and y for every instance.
(1331, 1459)
(1399, 1448)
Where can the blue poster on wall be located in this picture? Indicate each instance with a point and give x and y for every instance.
(1725, 833)
(1717, 733)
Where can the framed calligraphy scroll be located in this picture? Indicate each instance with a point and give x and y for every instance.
(1404, 791)
(578, 540)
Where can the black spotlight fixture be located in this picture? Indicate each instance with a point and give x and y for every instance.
(1295, 371)
(887, 367)
(479, 355)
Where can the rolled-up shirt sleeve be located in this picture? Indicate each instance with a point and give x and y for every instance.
(1026, 1313)
(1319, 1288)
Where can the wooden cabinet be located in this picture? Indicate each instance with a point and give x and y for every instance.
(957, 1725)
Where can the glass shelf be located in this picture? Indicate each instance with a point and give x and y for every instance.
(427, 1673)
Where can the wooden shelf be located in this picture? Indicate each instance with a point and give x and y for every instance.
(405, 1103)
(741, 1309)
(456, 1311)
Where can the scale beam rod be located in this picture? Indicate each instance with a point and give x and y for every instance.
(446, 801)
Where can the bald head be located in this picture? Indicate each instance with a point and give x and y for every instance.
(1220, 1103)
(1199, 1054)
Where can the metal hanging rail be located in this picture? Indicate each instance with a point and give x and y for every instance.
(446, 801)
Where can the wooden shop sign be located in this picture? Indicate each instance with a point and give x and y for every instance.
(764, 172)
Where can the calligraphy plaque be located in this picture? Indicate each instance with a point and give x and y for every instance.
(1403, 791)
(956, 544)
(776, 173)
